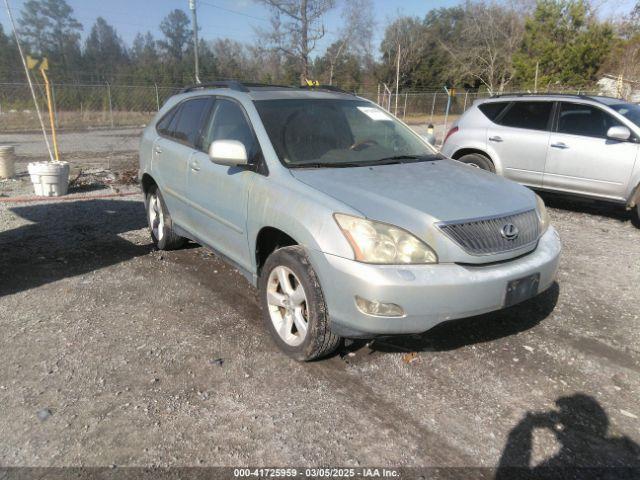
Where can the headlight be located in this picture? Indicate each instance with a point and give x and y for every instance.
(543, 216)
(376, 242)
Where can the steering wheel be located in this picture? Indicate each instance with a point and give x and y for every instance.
(295, 131)
(362, 144)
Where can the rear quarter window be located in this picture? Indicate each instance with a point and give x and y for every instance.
(528, 115)
(491, 110)
(164, 125)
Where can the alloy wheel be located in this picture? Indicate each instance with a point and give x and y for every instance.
(287, 304)
(156, 217)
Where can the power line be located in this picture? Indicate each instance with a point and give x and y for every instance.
(262, 19)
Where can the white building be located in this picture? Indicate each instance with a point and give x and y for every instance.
(617, 86)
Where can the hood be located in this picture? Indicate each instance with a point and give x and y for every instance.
(414, 196)
(443, 190)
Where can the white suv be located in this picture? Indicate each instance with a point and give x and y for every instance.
(573, 144)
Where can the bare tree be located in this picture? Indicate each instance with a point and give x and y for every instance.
(624, 55)
(296, 27)
(404, 38)
(491, 34)
(356, 34)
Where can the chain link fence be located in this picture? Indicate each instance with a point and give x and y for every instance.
(81, 106)
(100, 125)
(438, 108)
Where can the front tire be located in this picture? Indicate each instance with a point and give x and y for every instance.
(160, 224)
(479, 161)
(293, 306)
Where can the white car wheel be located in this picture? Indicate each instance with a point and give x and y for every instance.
(287, 306)
(156, 217)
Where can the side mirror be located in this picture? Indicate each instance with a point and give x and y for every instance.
(230, 153)
(619, 133)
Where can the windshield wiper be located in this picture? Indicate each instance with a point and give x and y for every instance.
(311, 165)
(399, 158)
(330, 165)
(394, 160)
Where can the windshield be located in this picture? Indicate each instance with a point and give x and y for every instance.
(335, 133)
(628, 110)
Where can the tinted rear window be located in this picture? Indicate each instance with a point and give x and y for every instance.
(164, 125)
(491, 110)
(190, 120)
(530, 115)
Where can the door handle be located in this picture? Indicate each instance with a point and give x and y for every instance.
(495, 139)
(195, 166)
(158, 150)
(560, 145)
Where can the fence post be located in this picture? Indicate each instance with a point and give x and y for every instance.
(433, 106)
(55, 108)
(404, 112)
(466, 93)
(446, 113)
(110, 105)
(157, 96)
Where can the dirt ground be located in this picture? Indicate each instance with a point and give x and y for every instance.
(112, 353)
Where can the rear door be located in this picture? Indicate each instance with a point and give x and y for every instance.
(582, 160)
(172, 152)
(220, 193)
(519, 138)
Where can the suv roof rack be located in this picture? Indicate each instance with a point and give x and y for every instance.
(246, 86)
(231, 84)
(572, 95)
(331, 88)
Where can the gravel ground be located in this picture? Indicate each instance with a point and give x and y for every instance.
(94, 153)
(113, 353)
(76, 143)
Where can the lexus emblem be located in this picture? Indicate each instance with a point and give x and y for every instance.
(509, 231)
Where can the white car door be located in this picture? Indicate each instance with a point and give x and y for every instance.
(519, 139)
(220, 193)
(582, 159)
(171, 154)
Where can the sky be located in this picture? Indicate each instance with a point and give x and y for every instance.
(236, 19)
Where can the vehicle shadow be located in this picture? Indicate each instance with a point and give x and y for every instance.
(586, 450)
(589, 207)
(64, 239)
(455, 334)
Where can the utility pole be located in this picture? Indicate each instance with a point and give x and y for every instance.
(26, 71)
(397, 78)
(192, 7)
(535, 85)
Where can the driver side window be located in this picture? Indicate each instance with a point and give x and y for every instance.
(228, 122)
(584, 120)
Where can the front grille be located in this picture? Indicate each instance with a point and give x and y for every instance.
(483, 236)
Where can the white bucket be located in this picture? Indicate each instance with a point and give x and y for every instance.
(50, 179)
(7, 161)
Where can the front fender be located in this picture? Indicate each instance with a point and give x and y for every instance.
(303, 213)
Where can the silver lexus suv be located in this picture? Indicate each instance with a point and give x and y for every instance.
(349, 224)
(587, 146)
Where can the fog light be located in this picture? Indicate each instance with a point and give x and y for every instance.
(378, 309)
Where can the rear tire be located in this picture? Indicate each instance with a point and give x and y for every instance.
(160, 224)
(293, 306)
(636, 220)
(479, 161)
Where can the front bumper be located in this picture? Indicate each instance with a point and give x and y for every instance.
(429, 294)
